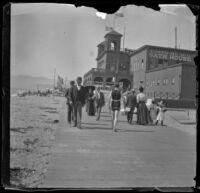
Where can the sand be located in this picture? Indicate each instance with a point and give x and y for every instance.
(33, 121)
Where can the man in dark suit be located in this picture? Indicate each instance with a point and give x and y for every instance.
(77, 99)
(131, 104)
(69, 106)
(100, 101)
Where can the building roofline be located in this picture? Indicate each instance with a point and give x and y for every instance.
(167, 48)
(102, 43)
(113, 32)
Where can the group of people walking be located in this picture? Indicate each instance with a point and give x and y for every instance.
(77, 96)
(95, 100)
(135, 103)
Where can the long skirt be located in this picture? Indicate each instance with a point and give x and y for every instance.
(90, 108)
(143, 117)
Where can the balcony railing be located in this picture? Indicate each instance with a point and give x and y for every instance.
(99, 70)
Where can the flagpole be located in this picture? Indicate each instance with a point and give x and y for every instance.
(54, 77)
(124, 38)
(114, 21)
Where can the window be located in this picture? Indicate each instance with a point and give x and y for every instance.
(173, 81)
(142, 65)
(113, 45)
(158, 82)
(164, 82)
(160, 61)
(167, 81)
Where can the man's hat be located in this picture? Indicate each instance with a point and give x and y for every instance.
(72, 82)
(79, 78)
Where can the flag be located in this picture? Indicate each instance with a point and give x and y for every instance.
(109, 28)
(119, 14)
(60, 83)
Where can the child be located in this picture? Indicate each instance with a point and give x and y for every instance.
(161, 113)
(153, 111)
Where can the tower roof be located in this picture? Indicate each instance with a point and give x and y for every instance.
(113, 32)
(102, 43)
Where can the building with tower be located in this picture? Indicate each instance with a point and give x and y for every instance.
(113, 63)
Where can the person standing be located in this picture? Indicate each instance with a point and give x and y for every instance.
(131, 104)
(69, 106)
(161, 113)
(90, 104)
(153, 111)
(143, 117)
(77, 99)
(114, 105)
(100, 101)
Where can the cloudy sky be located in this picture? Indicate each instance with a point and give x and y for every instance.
(45, 37)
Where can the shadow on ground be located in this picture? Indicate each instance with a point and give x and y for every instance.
(97, 128)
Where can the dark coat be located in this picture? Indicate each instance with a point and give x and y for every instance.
(73, 95)
(101, 101)
(131, 100)
(67, 95)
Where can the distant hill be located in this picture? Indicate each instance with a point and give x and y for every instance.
(30, 82)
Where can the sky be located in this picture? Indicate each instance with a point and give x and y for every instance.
(47, 37)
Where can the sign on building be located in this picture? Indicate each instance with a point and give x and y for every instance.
(170, 55)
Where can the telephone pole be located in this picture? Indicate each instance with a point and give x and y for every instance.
(175, 37)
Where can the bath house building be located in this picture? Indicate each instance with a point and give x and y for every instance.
(166, 74)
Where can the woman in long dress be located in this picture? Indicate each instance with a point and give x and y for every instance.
(114, 105)
(143, 117)
(90, 108)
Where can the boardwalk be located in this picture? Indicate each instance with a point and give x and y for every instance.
(135, 156)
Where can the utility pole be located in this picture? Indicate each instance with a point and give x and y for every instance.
(175, 37)
(114, 17)
(54, 77)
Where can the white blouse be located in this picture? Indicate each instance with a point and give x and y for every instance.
(141, 97)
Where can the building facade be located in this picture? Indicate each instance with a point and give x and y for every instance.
(113, 63)
(166, 74)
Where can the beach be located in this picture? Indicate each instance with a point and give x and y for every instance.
(33, 121)
(46, 152)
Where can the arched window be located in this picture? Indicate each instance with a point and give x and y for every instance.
(113, 45)
(142, 66)
(173, 80)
